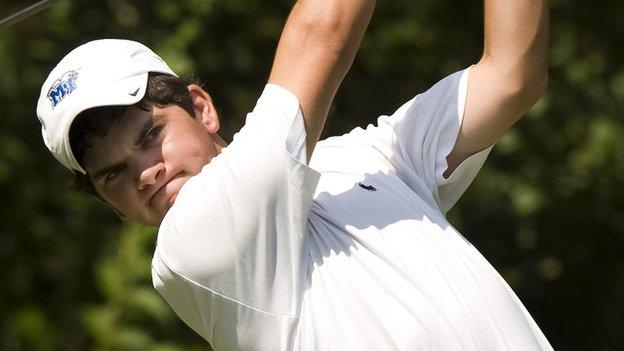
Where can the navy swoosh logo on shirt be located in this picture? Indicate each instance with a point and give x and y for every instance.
(367, 187)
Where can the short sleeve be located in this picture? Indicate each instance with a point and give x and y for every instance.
(229, 251)
(419, 136)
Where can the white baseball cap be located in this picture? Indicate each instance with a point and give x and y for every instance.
(105, 72)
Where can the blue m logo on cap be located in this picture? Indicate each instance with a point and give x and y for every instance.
(62, 87)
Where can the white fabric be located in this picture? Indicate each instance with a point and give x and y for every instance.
(260, 253)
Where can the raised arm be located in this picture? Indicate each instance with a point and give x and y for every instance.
(315, 51)
(510, 77)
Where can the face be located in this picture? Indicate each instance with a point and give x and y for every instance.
(139, 167)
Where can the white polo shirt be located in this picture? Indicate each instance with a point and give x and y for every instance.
(262, 252)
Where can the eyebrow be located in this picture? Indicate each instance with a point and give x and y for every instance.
(137, 141)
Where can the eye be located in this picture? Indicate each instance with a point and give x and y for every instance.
(112, 175)
(152, 134)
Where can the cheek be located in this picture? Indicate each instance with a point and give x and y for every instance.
(191, 151)
(120, 197)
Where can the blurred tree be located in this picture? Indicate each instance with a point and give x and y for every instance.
(547, 210)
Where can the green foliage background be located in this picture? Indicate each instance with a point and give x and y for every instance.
(547, 210)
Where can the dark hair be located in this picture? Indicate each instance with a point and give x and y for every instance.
(94, 123)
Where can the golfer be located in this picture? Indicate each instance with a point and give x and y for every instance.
(277, 242)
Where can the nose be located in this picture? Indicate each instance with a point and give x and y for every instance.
(150, 175)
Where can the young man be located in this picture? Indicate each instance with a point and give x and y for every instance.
(257, 250)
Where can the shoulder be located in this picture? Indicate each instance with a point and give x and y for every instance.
(277, 99)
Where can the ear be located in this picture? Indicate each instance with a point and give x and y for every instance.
(204, 109)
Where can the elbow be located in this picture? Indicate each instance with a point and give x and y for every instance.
(324, 25)
(536, 77)
(523, 81)
(533, 87)
(528, 87)
(533, 77)
(331, 33)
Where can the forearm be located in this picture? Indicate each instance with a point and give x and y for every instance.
(516, 39)
(315, 51)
